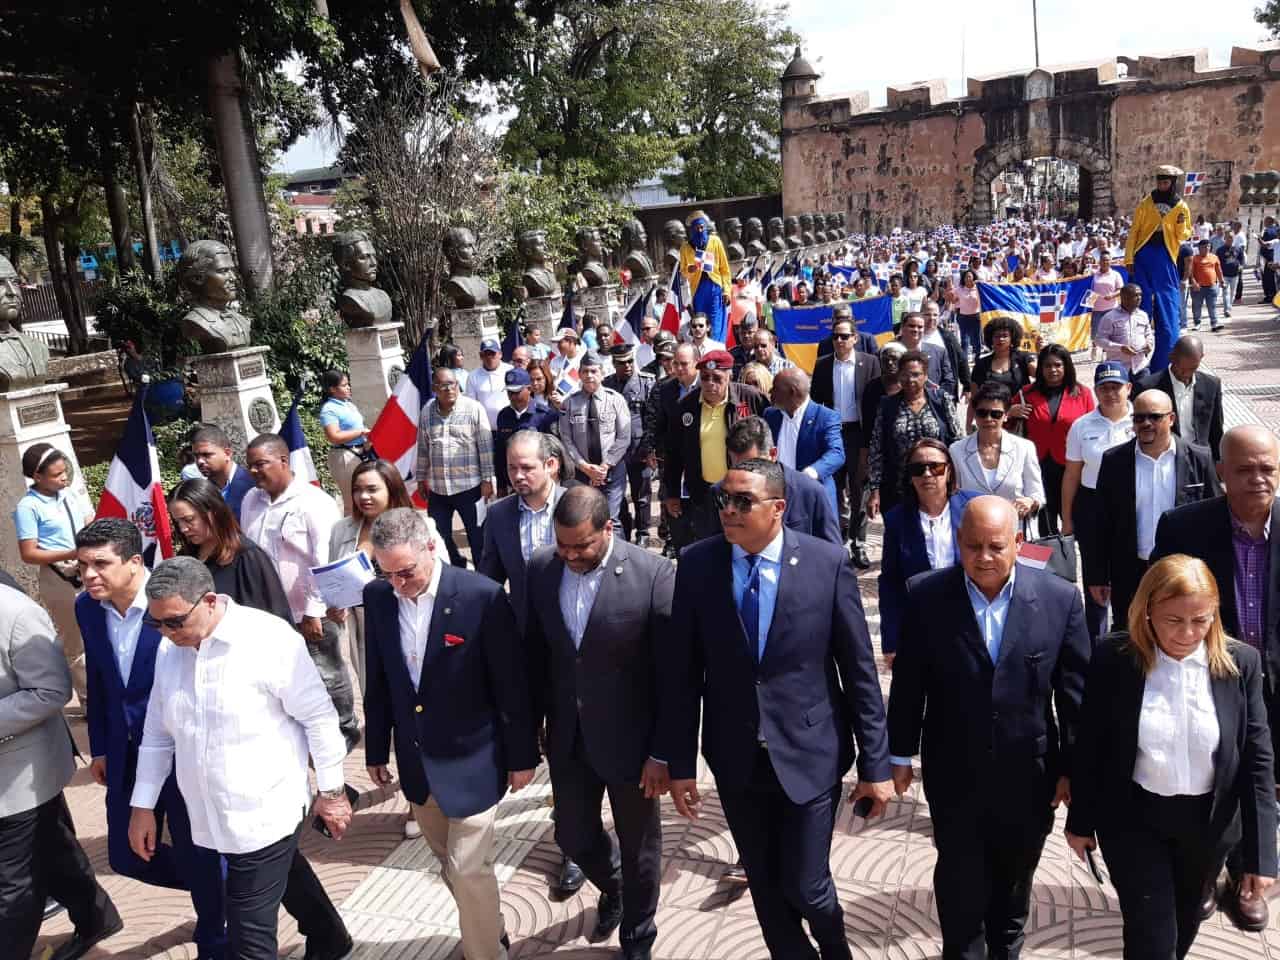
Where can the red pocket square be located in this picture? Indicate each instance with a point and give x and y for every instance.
(453, 640)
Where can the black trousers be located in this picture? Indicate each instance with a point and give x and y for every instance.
(849, 498)
(631, 867)
(441, 508)
(1269, 280)
(1050, 514)
(637, 515)
(1160, 858)
(258, 883)
(703, 515)
(40, 857)
(982, 880)
(786, 850)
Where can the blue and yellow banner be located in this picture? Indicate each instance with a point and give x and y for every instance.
(801, 329)
(1058, 312)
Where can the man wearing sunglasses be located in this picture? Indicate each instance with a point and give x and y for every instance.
(237, 708)
(780, 667)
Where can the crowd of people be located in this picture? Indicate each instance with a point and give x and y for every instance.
(215, 684)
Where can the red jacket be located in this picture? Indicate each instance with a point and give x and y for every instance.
(1049, 434)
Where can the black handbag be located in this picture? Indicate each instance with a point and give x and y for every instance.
(1057, 554)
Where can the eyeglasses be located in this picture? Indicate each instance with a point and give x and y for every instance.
(738, 502)
(170, 623)
(933, 468)
(1149, 417)
(988, 413)
(843, 336)
(400, 575)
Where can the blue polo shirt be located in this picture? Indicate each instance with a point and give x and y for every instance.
(51, 522)
(344, 415)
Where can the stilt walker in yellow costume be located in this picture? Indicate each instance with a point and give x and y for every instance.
(705, 265)
(1161, 224)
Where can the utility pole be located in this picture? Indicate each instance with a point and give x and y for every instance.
(1035, 30)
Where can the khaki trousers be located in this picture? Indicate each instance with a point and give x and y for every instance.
(355, 643)
(342, 464)
(464, 847)
(59, 597)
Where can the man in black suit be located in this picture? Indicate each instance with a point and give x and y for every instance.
(840, 382)
(1196, 396)
(980, 641)
(1137, 482)
(1233, 535)
(598, 606)
(768, 644)
(808, 506)
(662, 432)
(863, 341)
(940, 373)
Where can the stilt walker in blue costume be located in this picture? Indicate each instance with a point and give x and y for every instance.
(705, 265)
(1161, 224)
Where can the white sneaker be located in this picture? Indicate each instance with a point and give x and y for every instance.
(411, 829)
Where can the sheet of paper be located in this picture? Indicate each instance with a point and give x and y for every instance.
(341, 583)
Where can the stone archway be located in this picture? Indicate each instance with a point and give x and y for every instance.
(1095, 173)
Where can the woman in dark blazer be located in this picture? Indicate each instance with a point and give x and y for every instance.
(905, 552)
(1172, 765)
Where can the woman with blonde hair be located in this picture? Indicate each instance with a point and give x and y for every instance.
(1172, 764)
(757, 375)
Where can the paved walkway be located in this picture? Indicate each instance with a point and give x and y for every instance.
(397, 909)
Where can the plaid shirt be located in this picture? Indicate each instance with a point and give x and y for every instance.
(1252, 573)
(455, 451)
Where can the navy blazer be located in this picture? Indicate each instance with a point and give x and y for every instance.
(903, 556)
(117, 710)
(808, 508)
(467, 724)
(814, 690)
(819, 444)
(241, 483)
(502, 560)
(1206, 406)
(986, 728)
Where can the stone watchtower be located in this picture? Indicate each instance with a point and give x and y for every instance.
(799, 85)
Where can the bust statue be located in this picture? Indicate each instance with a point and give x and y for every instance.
(1246, 189)
(819, 228)
(463, 287)
(754, 236)
(673, 238)
(635, 241)
(590, 255)
(207, 274)
(777, 236)
(844, 234)
(360, 303)
(733, 247)
(807, 238)
(24, 362)
(539, 279)
(792, 227)
(832, 228)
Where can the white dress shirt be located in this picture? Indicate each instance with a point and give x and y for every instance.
(1093, 435)
(294, 530)
(123, 632)
(1156, 485)
(489, 389)
(1183, 406)
(415, 623)
(239, 715)
(939, 539)
(844, 386)
(578, 595)
(789, 435)
(1178, 727)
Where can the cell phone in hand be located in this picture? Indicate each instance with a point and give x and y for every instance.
(862, 807)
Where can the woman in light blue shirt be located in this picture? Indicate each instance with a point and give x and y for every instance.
(47, 519)
(344, 429)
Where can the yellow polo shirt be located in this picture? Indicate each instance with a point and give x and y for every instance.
(712, 439)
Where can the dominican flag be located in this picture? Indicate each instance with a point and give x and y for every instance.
(300, 461)
(133, 491)
(1051, 304)
(395, 433)
(513, 339)
(670, 319)
(628, 329)
(1194, 182)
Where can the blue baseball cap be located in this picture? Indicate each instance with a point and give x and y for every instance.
(518, 379)
(490, 346)
(1110, 371)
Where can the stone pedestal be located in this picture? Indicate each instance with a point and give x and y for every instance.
(471, 325)
(28, 417)
(375, 361)
(544, 313)
(601, 301)
(236, 394)
(1253, 216)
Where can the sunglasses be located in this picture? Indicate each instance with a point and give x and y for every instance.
(1149, 417)
(844, 336)
(932, 468)
(738, 502)
(988, 413)
(170, 623)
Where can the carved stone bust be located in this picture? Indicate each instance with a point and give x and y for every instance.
(591, 256)
(754, 236)
(819, 228)
(733, 247)
(360, 303)
(834, 233)
(777, 236)
(673, 238)
(635, 242)
(463, 287)
(24, 361)
(807, 237)
(207, 274)
(1246, 189)
(792, 227)
(539, 278)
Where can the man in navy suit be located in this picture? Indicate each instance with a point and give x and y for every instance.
(214, 459)
(808, 509)
(446, 681)
(769, 645)
(806, 434)
(985, 658)
(120, 657)
(598, 607)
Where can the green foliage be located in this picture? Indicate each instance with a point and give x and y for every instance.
(133, 308)
(1269, 16)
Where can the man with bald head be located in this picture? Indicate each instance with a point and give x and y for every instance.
(987, 685)
(1138, 482)
(807, 434)
(1232, 535)
(1196, 395)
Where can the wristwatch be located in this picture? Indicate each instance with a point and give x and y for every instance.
(331, 794)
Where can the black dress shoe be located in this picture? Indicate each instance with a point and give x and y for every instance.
(860, 558)
(1208, 901)
(52, 908)
(608, 917)
(571, 878)
(636, 952)
(340, 952)
(78, 944)
(506, 942)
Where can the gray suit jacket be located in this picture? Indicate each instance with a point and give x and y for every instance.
(35, 751)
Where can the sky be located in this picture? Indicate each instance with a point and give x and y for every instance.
(879, 46)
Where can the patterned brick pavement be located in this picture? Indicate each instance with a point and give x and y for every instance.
(397, 909)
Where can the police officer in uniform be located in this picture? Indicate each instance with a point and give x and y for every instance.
(635, 387)
(664, 348)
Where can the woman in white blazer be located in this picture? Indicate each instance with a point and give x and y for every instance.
(994, 461)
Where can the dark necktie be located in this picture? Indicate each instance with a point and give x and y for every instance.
(594, 453)
(749, 605)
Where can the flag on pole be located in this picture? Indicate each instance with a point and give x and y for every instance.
(1194, 182)
(513, 339)
(395, 433)
(629, 329)
(670, 320)
(300, 461)
(133, 490)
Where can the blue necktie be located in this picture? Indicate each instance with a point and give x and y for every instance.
(749, 606)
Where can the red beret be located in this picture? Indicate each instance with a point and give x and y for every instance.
(716, 360)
